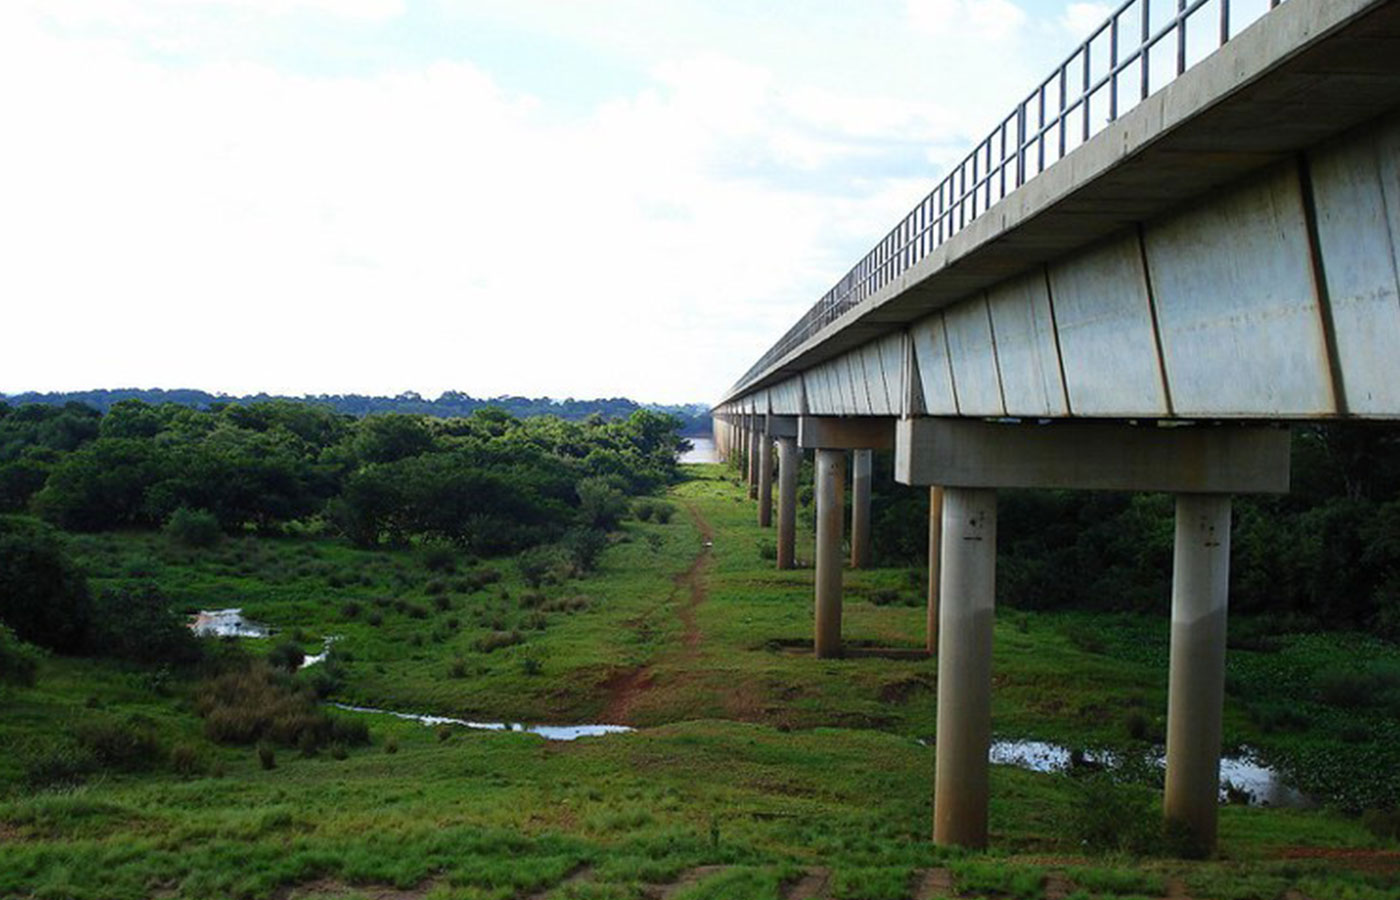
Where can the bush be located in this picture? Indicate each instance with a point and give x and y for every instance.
(267, 755)
(391, 744)
(664, 512)
(287, 656)
(544, 565)
(55, 763)
(643, 509)
(19, 662)
(185, 760)
(127, 745)
(767, 549)
(1111, 817)
(136, 622)
(584, 546)
(43, 595)
(498, 639)
(255, 703)
(601, 502)
(439, 557)
(193, 528)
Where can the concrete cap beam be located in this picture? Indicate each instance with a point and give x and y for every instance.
(845, 432)
(781, 426)
(1203, 459)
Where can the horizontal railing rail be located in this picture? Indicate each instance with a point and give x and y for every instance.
(1079, 98)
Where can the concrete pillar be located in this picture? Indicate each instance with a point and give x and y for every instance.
(935, 553)
(1200, 596)
(969, 563)
(753, 461)
(765, 481)
(831, 502)
(861, 464)
(788, 462)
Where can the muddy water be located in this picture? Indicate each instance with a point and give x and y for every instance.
(548, 732)
(226, 623)
(1243, 775)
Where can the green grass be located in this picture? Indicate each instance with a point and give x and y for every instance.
(753, 758)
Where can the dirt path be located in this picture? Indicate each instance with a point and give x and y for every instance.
(625, 689)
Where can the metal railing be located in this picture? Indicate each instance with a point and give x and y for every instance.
(1097, 83)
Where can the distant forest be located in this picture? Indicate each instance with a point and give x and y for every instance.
(694, 417)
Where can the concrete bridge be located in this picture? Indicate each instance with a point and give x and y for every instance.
(1183, 239)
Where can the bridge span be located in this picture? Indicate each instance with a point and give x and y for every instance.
(1185, 238)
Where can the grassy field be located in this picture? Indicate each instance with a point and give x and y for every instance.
(755, 772)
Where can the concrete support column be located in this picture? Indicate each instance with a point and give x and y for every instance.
(788, 461)
(1200, 596)
(861, 463)
(968, 573)
(935, 552)
(765, 481)
(753, 462)
(831, 502)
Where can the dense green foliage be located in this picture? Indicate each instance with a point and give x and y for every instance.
(489, 482)
(694, 417)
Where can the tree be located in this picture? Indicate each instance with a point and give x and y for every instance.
(43, 595)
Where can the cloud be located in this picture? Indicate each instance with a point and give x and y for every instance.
(967, 19)
(233, 223)
(1080, 19)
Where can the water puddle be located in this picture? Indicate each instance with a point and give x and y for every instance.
(548, 732)
(1242, 777)
(226, 623)
(320, 657)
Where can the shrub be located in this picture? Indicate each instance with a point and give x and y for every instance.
(195, 528)
(767, 549)
(185, 760)
(664, 512)
(435, 586)
(350, 609)
(391, 744)
(338, 751)
(136, 622)
(43, 595)
(255, 703)
(643, 509)
(439, 557)
(55, 763)
(458, 668)
(267, 755)
(1111, 817)
(601, 502)
(128, 745)
(498, 639)
(442, 602)
(584, 546)
(543, 565)
(19, 662)
(287, 655)
(375, 618)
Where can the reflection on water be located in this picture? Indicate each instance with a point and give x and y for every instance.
(1243, 776)
(548, 732)
(702, 450)
(226, 623)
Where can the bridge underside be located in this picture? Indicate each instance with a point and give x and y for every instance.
(1143, 315)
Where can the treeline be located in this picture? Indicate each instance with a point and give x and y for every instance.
(694, 418)
(489, 482)
(1326, 553)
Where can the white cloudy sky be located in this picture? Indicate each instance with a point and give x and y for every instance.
(582, 198)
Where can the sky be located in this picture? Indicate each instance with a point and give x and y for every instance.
(578, 198)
